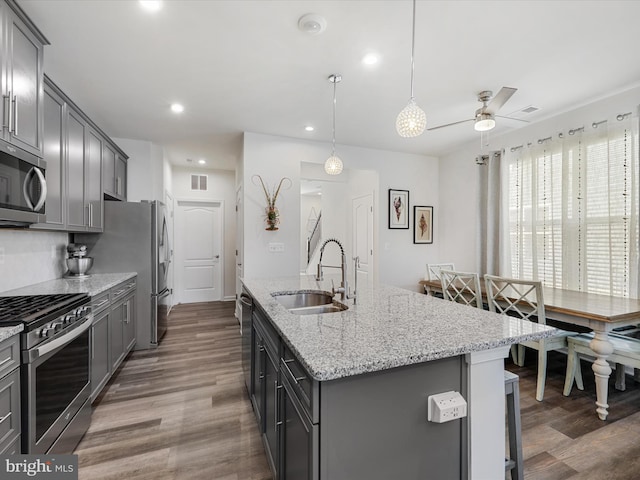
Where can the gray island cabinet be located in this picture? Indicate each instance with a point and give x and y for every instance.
(344, 395)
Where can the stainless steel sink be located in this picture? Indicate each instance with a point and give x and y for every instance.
(309, 302)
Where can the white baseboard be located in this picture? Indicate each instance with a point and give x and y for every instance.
(229, 298)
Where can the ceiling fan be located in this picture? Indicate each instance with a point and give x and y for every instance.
(485, 116)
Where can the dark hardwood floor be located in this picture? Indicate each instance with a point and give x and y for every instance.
(563, 438)
(181, 412)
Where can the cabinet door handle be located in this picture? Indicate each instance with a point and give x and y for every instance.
(93, 350)
(10, 112)
(6, 111)
(15, 115)
(8, 359)
(276, 387)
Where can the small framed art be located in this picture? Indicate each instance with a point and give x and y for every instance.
(422, 224)
(398, 208)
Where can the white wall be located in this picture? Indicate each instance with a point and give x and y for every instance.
(145, 169)
(31, 257)
(459, 173)
(401, 263)
(221, 187)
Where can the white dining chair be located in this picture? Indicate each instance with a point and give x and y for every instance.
(523, 299)
(461, 287)
(433, 274)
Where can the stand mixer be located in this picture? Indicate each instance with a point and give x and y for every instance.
(78, 263)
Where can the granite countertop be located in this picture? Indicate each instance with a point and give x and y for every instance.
(8, 332)
(389, 327)
(93, 284)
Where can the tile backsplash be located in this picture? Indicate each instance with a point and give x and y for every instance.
(28, 257)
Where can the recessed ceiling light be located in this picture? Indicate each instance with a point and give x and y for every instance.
(371, 58)
(151, 5)
(312, 24)
(202, 162)
(309, 128)
(177, 108)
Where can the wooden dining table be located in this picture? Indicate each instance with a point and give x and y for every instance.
(601, 313)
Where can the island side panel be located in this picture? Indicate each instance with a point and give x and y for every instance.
(375, 426)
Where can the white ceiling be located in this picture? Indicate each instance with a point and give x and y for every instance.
(245, 66)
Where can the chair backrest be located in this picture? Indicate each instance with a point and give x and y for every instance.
(433, 270)
(519, 298)
(461, 287)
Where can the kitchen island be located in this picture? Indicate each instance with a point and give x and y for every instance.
(358, 383)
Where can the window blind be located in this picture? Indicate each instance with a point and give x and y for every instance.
(573, 211)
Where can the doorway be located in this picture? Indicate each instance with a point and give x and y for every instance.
(362, 235)
(198, 235)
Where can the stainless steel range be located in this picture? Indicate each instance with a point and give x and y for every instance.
(55, 374)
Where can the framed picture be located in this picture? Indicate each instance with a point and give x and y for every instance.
(398, 208)
(422, 224)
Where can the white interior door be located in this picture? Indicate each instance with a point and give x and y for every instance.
(362, 210)
(198, 237)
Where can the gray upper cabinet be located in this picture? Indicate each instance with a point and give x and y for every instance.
(114, 174)
(93, 179)
(77, 214)
(76, 152)
(22, 79)
(54, 155)
(109, 171)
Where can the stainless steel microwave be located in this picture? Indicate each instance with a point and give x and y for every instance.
(23, 189)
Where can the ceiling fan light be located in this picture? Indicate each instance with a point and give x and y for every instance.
(484, 122)
(333, 165)
(411, 121)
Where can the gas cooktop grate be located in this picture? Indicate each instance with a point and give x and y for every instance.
(15, 310)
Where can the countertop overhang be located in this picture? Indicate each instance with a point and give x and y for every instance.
(388, 327)
(93, 284)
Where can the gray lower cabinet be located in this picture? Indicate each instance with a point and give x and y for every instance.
(371, 426)
(10, 420)
(112, 333)
(100, 367)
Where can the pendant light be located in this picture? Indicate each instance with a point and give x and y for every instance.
(333, 165)
(411, 121)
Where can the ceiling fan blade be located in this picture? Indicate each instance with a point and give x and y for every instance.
(449, 124)
(512, 118)
(500, 99)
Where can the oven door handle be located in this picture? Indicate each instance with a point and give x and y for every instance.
(58, 342)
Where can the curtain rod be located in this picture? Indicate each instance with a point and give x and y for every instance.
(573, 131)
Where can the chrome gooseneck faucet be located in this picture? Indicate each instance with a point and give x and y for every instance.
(343, 289)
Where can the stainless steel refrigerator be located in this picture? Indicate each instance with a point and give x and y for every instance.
(135, 239)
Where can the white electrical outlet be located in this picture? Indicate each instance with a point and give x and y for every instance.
(445, 407)
(276, 247)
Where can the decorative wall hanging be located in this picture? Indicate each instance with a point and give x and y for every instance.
(271, 211)
(422, 224)
(398, 208)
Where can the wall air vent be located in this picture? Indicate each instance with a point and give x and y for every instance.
(198, 182)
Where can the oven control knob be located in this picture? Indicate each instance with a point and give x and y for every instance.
(46, 331)
(57, 325)
(68, 319)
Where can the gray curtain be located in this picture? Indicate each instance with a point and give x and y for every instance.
(490, 198)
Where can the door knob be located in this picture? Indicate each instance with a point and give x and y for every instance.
(217, 256)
